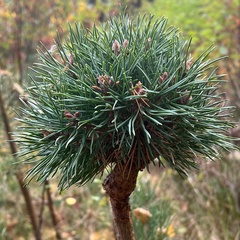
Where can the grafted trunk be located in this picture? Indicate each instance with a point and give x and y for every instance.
(119, 185)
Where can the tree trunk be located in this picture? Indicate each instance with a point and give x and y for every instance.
(119, 185)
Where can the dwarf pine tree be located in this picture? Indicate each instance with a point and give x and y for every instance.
(119, 97)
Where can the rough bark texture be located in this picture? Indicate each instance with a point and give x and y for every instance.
(119, 185)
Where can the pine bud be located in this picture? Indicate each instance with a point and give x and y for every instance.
(125, 43)
(77, 114)
(68, 114)
(97, 88)
(163, 77)
(71, 60)
(148, 43)
(139, 89)
(45, 133)
(185, 98)
(116, 47)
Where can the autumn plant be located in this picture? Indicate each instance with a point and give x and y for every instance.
(119, 97)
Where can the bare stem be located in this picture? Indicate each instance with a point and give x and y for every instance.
(52, 211)
(40, 221)
(119, 185)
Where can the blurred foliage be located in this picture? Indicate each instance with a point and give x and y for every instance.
(209, 22)
(151, 212)
(205, 21)
(206, 205)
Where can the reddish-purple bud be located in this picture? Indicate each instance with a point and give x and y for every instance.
(188, 65)
(71, 60)
(106, 77)
(77, 114)
(139, 89)
(148, 43)
(45, 133)
(97, 88)
(116, 47)
(101, 80)
(68, 114)
(164, 77)
(185, 98)
(125, 43)
(110, 82)
(25, 99)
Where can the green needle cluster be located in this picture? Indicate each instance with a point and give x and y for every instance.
(127, 92)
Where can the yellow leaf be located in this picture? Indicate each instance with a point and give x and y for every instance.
(170, 231)
(70, 201)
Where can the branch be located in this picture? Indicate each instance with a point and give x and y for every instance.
(41, 209)
(52, 211)
(19, 176)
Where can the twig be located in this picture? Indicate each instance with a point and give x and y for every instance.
(40, 221)
(19, 176)
(52, 211)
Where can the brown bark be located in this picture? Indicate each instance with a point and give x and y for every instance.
(18, 38)
(119, 185)
(29, 205)
(52, 212)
